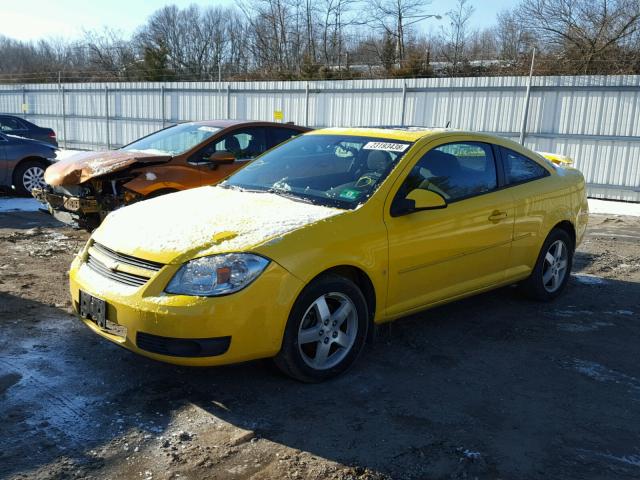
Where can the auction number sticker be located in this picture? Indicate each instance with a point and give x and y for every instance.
(386, 146)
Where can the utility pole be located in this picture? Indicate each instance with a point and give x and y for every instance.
(527, 98)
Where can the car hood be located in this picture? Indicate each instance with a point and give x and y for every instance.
(86, 165)
(204, 221)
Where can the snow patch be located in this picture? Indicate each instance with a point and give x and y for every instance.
(64, 153)
(10, 204)
(205, 217)
(101, 285)
(587, 279)
(583, 327)
(601, 373)
(614, 208)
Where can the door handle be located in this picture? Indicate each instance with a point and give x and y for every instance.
(497, 215)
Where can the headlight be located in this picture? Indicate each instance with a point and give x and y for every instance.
(217, 274)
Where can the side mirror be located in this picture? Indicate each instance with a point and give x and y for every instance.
(220, 158)
(417, 200)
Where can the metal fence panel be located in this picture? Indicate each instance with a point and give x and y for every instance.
(593, 119)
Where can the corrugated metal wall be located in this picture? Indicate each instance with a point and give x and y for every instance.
(593, 119)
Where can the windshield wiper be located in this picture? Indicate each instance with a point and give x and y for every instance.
(291, 195)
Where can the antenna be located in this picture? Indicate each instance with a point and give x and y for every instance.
(448, 123)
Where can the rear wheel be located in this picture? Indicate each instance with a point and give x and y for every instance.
(553, 267)
(29, 175)
(326, 330)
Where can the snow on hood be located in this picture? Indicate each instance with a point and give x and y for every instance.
(216, 219)
(83, 166)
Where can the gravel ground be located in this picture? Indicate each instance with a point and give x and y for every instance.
(490, 387)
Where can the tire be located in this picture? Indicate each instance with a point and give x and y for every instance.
(552, 269)
(29, 175)
(341, 329)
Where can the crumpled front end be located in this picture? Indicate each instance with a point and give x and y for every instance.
(84, 188)
(89, 203)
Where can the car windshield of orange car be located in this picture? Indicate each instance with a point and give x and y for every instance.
(335, 170)
(173, 140)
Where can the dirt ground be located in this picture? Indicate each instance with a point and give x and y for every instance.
(491, 387)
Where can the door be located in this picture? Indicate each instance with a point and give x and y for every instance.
(442, 253)
(244, 144)
(532, 189)
(4, 165)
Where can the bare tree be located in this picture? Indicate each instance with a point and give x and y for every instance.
(590, 33)
(456, 35)
(395, 17)
(512, 38)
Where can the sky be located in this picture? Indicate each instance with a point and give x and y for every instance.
(67, 19)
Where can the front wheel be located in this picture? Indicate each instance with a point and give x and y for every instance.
(553, 267)
(326, 330)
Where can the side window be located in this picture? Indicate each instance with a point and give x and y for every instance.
(455, 171)
(8, 124)
(519, 169)
(276, 136)
(244, 143)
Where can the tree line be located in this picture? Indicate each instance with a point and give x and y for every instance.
(329, 39)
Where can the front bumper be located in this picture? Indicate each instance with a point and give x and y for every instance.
(67, 203)
(179, 329)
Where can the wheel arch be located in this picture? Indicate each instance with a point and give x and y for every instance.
(361, 279)
(568, 227)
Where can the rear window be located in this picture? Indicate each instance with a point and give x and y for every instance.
(520, 169)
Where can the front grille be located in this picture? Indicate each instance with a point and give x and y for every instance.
(128, 259)
(99, 260)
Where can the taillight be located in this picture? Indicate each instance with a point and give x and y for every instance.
(52, 134)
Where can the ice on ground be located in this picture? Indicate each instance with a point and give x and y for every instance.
(10, 204)
(583, 327)
(601, 373)
(587, 279)
(614, 208)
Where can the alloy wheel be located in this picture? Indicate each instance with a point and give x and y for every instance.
(33, 177)
(328, 331)
(555, 265)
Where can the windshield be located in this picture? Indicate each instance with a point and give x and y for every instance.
(173, 140)
(335, 170)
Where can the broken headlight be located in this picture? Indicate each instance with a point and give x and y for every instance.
(217, 274)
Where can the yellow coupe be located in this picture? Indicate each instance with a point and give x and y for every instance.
(301, 253)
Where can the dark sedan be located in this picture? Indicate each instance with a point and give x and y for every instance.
(23, 162)
(12, 125)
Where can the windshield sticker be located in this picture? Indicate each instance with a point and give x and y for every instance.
(386, 146)
(205, 128)
(350, 194)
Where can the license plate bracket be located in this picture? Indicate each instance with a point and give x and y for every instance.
(94, 309)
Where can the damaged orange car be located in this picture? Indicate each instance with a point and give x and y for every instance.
(87, 186)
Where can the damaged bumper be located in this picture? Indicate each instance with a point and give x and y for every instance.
(65, 202)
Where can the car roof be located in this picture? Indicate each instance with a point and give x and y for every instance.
(235, 123)
(404, 133)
